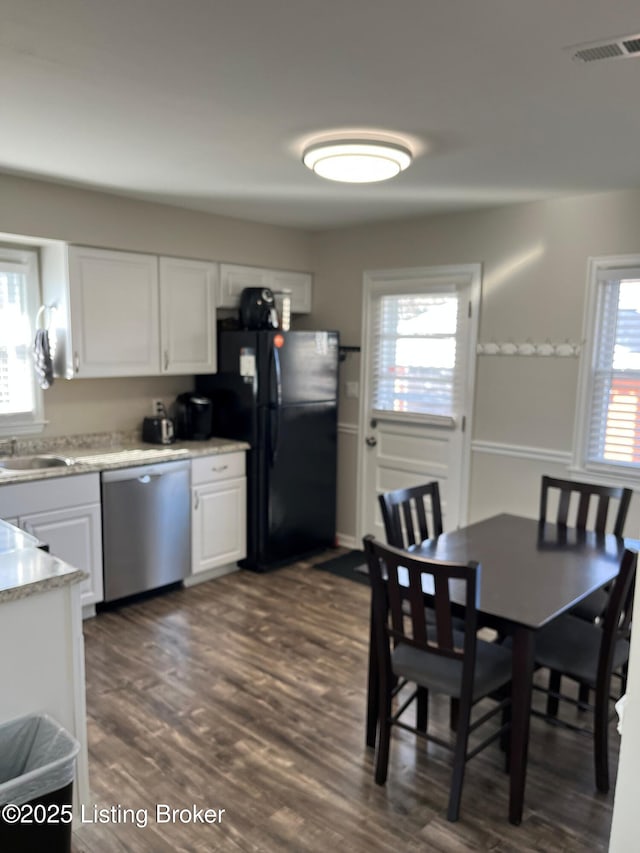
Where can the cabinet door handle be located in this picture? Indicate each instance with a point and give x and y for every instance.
(166, 359)
(196, 501)
(76, 362)
(221, 468)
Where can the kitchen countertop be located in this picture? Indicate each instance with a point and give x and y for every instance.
(110, 455)
(26, 570)
(14, 539)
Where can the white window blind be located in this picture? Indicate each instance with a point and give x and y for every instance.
(20, 399)
(416, 345)
(614, 426)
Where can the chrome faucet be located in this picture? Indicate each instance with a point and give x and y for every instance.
(9, 447)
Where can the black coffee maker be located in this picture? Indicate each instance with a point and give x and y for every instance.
(194, 417)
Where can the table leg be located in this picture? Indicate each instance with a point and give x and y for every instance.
(372, 688)
(521, 687)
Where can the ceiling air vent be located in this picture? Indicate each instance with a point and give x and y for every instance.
(623, 47)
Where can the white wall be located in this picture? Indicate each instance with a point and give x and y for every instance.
(41, 209)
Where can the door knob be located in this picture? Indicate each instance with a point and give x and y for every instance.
(371, 440)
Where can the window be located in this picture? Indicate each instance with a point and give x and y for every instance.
(415, 347)
(609, 402)
(20, 397)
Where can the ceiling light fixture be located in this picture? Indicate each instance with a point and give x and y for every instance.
(356, 161)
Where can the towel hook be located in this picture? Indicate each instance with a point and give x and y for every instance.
(42, 310)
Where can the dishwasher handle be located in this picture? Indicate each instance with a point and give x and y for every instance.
(147, 478)
(145, 473)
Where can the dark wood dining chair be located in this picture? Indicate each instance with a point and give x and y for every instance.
(591, 654)
(432, 658)
(578, 501)
(587, 506)
(405, 514)
(411, 516)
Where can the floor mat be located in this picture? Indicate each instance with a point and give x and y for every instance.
(351, 565)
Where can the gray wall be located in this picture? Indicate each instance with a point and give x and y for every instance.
(534, 259)
(40, 209)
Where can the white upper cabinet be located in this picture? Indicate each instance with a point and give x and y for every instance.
(128, 313)
(234, 278)
(188, 316)
(114, 313)
(298, 285)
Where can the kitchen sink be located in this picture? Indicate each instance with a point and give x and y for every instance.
(31, 463)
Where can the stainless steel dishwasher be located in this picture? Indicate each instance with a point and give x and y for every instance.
(146, 527)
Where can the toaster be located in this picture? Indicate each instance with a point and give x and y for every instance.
(158, 430)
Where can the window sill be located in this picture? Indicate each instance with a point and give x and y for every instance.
(7, 430)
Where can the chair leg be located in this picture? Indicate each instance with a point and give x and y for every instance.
(459, 761)
(422, 709)
(601, 741)
(505, 737)
(384, 732)
(554, 687)
(583, 697)
(454, 714)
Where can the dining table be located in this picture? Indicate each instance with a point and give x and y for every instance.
(530, 573)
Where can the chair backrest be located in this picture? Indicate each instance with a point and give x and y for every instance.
(398, 577)
(587, 494)
(617, 617)
(405, 514)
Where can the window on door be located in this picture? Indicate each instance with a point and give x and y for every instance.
(20, 397)
(609, 403)
(415, 348)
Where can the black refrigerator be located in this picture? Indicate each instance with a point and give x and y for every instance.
(278, 391)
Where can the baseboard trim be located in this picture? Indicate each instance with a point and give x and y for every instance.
(210, 574)
(345, 541)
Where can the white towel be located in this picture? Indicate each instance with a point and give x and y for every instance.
(619, 706)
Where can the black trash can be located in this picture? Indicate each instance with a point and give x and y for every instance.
(37, 768)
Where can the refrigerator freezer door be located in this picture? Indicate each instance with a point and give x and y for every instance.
(307, 363)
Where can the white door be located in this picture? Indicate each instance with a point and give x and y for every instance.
(418, 371)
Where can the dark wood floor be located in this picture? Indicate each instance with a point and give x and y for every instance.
(248, 694)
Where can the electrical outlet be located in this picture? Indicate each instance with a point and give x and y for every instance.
(157, 407)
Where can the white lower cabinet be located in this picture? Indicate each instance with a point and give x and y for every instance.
(74, 535)
(218, 513)
(63, 513)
